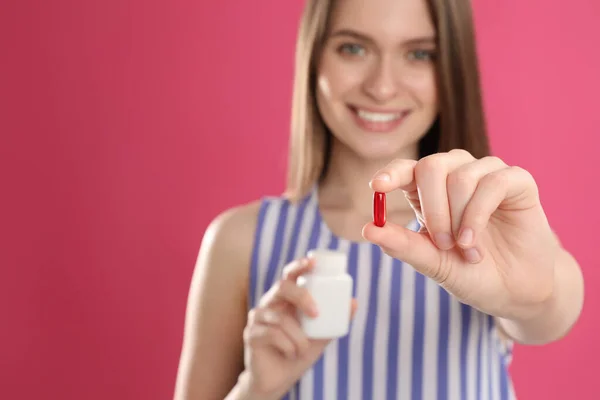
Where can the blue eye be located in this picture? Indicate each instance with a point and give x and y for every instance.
(421, 55)
(352, 49)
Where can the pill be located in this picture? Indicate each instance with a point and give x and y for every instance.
(379, 209)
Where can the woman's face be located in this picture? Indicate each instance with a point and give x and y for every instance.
(376, 87)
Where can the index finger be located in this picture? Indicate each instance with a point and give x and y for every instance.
(288, 292)
(296, 268)
(398, 174)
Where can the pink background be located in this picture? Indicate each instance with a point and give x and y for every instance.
(127, 125)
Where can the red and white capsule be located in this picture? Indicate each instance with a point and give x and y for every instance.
(379, 211)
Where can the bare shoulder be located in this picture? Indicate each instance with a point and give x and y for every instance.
(212, 351)
(229, 238)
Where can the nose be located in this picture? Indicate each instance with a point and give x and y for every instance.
(381, 84)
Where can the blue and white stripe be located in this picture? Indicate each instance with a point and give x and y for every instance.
(409, 338)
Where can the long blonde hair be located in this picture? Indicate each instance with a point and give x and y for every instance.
(461, 123)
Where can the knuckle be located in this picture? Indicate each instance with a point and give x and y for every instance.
(523, 173)
(261, 331)
(283, 286)
(494, 160)
(441, 272)
(430, 164)
(249, 336)
(460, 152)
(278, 288)
(270, 331)
(525, 180)
(279, 339)
(440, 275)
(286, 343)
(529, 180)
(286, 271)
(462, 179)
(289, 268)
(518, 169)
(285, 320)
(497, 179)
(266, 298)
(251, 316)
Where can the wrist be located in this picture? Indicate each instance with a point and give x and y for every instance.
(526, 326)
(551, 319)
(544, 304)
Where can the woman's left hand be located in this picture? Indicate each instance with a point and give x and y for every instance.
(484, 236)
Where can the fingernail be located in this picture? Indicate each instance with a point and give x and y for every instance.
(472, 255)
(382, 177)
(466, 237)
(444, 241)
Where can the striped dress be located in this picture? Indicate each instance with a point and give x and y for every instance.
(408, 340)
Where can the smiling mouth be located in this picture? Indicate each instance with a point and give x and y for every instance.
(378, 120)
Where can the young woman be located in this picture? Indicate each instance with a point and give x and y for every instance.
(386, 99)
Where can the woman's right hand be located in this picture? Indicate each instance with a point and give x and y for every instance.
(276, 351)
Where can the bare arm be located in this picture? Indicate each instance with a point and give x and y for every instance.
(212, 351)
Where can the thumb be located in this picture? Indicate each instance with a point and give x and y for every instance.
(411, 247)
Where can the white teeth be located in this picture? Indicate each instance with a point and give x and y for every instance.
(377, 117)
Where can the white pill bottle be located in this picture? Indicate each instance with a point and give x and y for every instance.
(330, 286)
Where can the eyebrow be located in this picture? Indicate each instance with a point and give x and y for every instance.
(365, 38)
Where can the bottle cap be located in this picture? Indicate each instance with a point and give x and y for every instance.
(329, 262)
